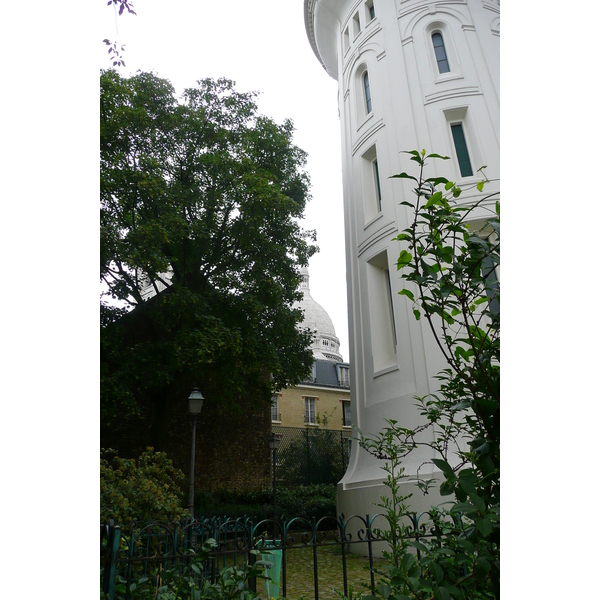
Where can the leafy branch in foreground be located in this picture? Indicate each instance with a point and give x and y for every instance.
(450, 264)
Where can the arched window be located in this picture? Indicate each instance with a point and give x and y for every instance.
(367, 91)
(440, 52)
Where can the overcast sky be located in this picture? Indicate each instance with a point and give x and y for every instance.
(261, 46)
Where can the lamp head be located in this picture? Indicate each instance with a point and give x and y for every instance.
(195, 401)
(274, 441)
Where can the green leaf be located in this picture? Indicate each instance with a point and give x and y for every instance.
(408, 560)
(446, 488)
(449, 185)
(438, 156)
(384, 590)
(418, 546)
(485, 526)
(403, 175)
(407, 293)
(404, 259)
(442, 594)
(480, 185)
(436, 571)
(444, 467)
(435, 181)
(434, 199)
(417, 314)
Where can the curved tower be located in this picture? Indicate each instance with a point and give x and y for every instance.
(412, 74)
(326, 345)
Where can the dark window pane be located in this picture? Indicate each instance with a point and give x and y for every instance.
(367, 92)
(440, 53)
(372, 11)
(378, 185)
(462, 153)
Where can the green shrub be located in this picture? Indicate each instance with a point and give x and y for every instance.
(308, 501)
(145, 490)
(305, 501)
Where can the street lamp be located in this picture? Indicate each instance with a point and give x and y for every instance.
(195, 401)
(274, 441)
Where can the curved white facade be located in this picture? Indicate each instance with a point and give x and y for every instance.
(398, 92)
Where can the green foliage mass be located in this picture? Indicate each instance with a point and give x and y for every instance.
(187, 580)
(306, 501)
(315, 457)
(201, 199)
(450, 262)
(143, 490)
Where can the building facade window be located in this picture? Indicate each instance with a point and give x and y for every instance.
(346, 413)
(367, 89)
(462, 152)
(440, 52)
(356, 24)
(370, 10)
(381, 309)
(275, 416)
(377, 183)
(310, 414)
(344, 376)
(371, 184)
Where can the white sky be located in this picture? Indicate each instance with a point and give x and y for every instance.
(236, 39)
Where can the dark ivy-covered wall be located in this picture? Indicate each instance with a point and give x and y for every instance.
(232, 449)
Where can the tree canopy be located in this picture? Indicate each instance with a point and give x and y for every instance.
(201, 244)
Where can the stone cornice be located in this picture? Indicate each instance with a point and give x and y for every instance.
(309, 23)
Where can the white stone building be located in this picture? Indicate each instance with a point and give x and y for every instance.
(412, 74)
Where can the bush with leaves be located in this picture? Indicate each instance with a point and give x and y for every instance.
(187, 580)
(142, 490)
(451, 260)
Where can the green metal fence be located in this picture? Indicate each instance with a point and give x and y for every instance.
(135, 552)
(308, 456)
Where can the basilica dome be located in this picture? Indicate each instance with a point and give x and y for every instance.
(326, 345)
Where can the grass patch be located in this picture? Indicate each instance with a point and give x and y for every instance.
(330, 573)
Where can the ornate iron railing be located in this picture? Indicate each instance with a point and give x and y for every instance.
(133, 553)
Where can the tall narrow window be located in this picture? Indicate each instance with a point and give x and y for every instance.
(275, 416)
(347, 414)
(440, 52)
(346, 40)
(377, 184)
(344, 376)
(371, 185)
(383, 324)
(310, 415)
(367, 92)
(356, 24)
(370, 10)
(462, 152)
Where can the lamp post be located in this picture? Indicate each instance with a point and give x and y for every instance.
(195, 401)
(274, 444)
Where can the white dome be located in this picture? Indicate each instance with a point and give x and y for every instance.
(326, 345)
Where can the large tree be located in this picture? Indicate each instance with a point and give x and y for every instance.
(201, 246)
